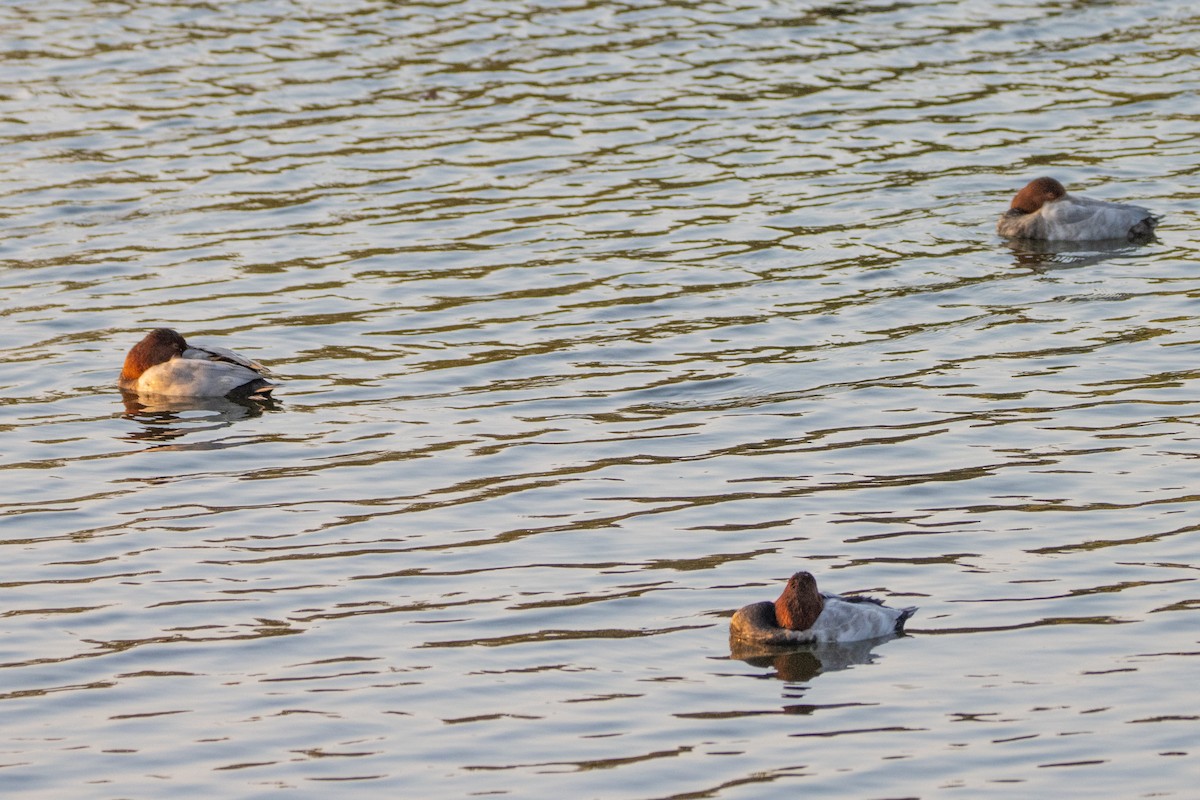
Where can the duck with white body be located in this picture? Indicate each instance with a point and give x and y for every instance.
(163, 364)
(804, 615)
(1044, 210)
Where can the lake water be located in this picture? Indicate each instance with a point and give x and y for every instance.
(595, 321)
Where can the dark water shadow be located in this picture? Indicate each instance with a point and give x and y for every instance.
(164, 420)
(1041, 256)
(805, 662)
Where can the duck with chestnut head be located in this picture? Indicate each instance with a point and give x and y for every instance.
(1044, 210)
(804, 615)
(163, 364)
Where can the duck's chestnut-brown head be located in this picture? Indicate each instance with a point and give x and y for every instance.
(1036, 193)
(800, 604)
(159, 346)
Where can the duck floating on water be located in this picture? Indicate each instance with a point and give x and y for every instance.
(163, 364)
(1044, 210)
(804, 615)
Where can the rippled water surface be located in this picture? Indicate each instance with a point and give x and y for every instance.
(595, 321)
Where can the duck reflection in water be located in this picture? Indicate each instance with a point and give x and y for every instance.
(839, 631)
(800, 663)
(165, 419)
(1042, 256)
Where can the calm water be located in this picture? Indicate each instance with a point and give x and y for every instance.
(596, 321)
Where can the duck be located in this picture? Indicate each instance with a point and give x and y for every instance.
(163, 364)
(1044, 210)
(804, 615)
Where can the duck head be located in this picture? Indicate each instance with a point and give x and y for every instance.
(1036, 193)
(159, 346)
(800, 604)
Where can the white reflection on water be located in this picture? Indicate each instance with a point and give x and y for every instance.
(594, 320)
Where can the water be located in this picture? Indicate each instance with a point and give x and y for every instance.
(595, 322)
